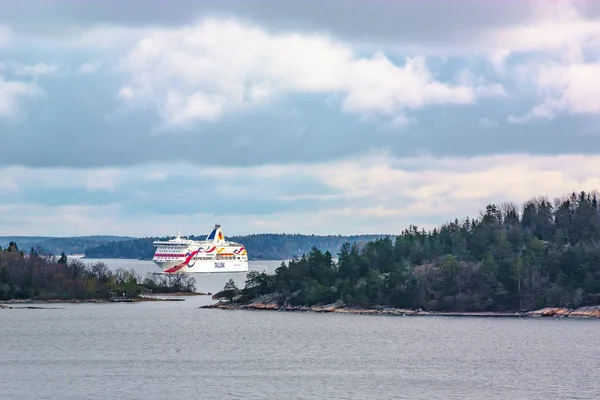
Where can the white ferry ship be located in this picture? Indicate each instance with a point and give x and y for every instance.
(214, 254)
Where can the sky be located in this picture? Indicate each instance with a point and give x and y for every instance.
(147, 117)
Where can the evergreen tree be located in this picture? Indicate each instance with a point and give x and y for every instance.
(546, 255)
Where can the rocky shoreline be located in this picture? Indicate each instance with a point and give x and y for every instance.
(5, 307)
(181, 294)
(4, 304)
(592, 312)
(51, 301)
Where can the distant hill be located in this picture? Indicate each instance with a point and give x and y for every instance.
(266, 246)
(56, 245)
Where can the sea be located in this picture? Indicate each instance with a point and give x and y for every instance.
(175, 350)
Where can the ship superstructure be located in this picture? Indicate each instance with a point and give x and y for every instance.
(214, 254)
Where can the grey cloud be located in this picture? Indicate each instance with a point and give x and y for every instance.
(424, 21)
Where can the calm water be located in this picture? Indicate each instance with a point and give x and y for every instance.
(174, 350)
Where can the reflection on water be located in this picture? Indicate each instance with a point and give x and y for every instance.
(204, 282)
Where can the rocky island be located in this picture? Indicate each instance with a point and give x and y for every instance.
(538, 260)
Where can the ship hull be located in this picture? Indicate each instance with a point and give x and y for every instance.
(204, 266)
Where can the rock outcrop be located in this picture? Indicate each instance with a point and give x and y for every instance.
(329, 308)
(562, 312)
(586, 312)
(266, 304)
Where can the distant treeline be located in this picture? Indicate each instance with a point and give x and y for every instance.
(260, 246)
(57, 245)
(508, 259)
(44, 277)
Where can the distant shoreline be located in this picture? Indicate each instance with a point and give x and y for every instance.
(592, 312)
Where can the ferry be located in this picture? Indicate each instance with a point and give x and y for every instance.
(212, 255)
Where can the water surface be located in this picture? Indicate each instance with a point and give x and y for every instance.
(174, 350)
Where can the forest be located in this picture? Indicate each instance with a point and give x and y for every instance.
(546, 253)
(57, 245)
(38, 276)
(264, 246)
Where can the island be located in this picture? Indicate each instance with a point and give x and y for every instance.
(539, 260)
(37, 277)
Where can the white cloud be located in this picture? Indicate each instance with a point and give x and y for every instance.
(33, 69)
(401, 122)
(373, 193)
(12, 92)
(8, 184)
(33, 219)
(68, 220)
(97, 179)
(481, 86)
(487, 123)
(559, 53)
(201, 72)
(104, 179)
(90, 67)
(5, 35)
(560, 27)
(126, 94)
(183, 109)
(571, 88)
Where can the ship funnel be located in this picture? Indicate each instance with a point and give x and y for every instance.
(216, 236)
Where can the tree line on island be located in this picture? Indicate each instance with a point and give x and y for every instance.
(57, 245)
(546, 254)
(264, 246)
(38, 276)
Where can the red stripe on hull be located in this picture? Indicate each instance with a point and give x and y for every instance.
(175, 268)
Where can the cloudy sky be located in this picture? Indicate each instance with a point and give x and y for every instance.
(342, 116)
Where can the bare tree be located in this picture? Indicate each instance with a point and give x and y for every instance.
(100, 271)
(77, 268)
